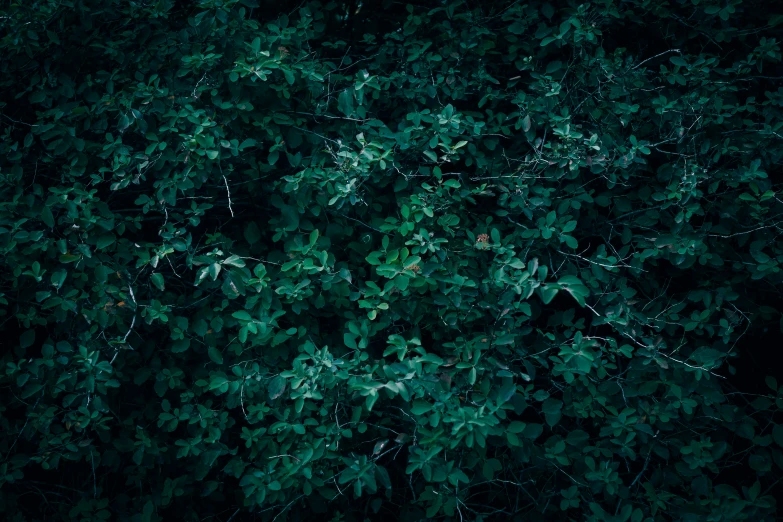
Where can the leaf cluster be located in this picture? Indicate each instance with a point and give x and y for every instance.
(376, 261)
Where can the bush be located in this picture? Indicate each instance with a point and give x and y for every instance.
(465, 260)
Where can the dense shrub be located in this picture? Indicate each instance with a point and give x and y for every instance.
(366, 260)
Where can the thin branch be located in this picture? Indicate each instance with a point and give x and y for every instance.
(327, 116)
(691, 366)
(133, 322)
(360, 222)
(743, 233)
(592, 310)
(316, 134)
(567, 475)
(644, 468)
(287, 506)
(17, 121)
(228, 191)
(94, 479)
(654, 57)
(595, 262)
(8, 455)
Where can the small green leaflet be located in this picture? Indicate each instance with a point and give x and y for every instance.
(276, 387)
(157, 280)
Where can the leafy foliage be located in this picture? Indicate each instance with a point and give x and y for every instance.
(470, 260)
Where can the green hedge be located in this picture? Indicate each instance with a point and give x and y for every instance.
(368, 261)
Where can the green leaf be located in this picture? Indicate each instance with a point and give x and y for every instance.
(157, 280)
(570, 241)
(123, 124)
(180, 346)
(551, 406)
(26, 339)
(345, 102)
(548, 293)
(754, 490)
(291, 216)
(420, 407)
(250, 142)
(215, 355)
(276, 387)
(104, 241)
(252, 233)
(677, 60)
(47, 217)
(569, 280)
(242, 315)
(777, 434)
(516, 427)
(553, 66)
(235, 261)
(533, 431)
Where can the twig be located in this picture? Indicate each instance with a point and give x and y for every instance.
(656, 56)
(770, 487)
(196, 95)
(16, 121)
(229, 196)
(594, 262)
(8, 455)
(133, 322)
(172, 267)
(339, 491)
(124, 339)
(567, 475)
(361, 222)
(644, 468)
(94, 480)
(743, 233)
(517, 484)
(742, 334)
(283, 455)
(592, 310)
(327, 116)
(316, 134)
(692, 366)
(287, 506)
(242, 399)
